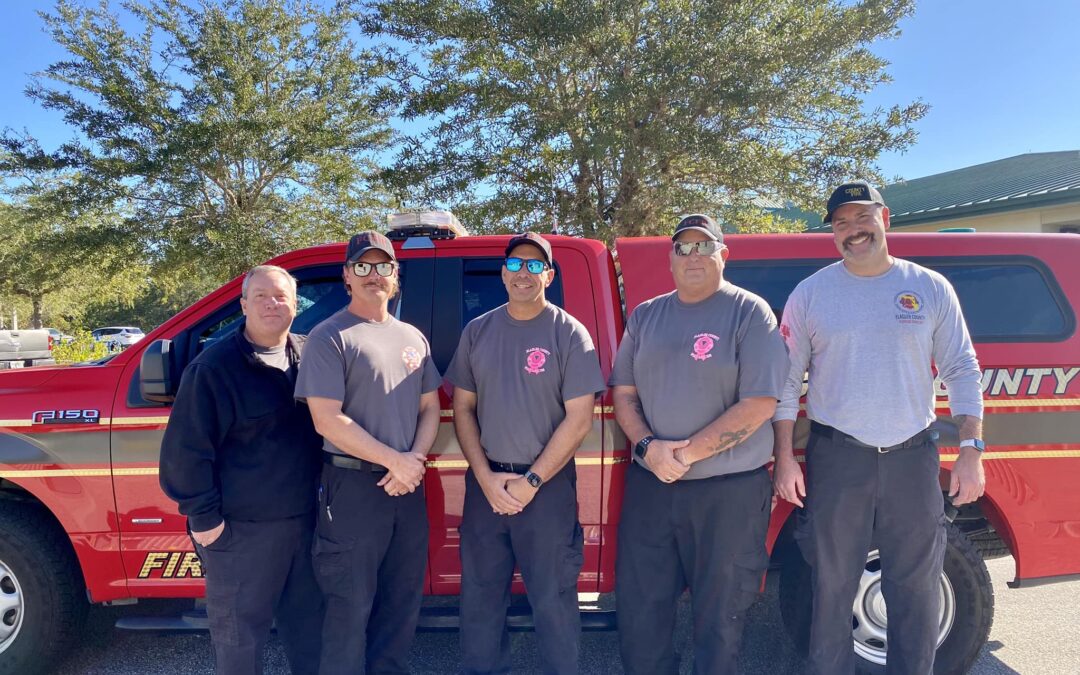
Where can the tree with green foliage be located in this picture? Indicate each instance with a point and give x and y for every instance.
(45, 250)
(227, 132)
(613, 116)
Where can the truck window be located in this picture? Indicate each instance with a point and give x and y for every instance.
(1004, 298)
(465, 288)
(482, 288)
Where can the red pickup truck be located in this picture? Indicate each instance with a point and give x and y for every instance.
(82, 519)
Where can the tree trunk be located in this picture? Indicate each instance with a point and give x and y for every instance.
(35, 316)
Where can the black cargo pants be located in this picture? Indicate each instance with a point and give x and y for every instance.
(708, 534)
(858, 499)
(370, 556)
(256, 573)
(545, 541)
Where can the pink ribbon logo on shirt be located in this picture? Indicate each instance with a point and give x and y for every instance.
(703, 344)
(535, 358)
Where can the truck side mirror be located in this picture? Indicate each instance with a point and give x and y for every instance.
(156, 373)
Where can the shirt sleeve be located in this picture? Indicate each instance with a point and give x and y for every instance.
(459, 372)
(322, 369)
(622, 372)
(955, 358)
(796, 336)
(763, 360)
(431, 379)
(582, 372)
(198, 424)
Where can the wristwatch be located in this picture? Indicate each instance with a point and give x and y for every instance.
(534, 480)
(976, 443)
(642, 446)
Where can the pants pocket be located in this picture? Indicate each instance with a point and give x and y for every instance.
(573, 559)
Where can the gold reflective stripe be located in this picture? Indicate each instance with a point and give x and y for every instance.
(16, 423)
(145, 471)
(138, 421)
(580, 461)
(55, 473)
(1029, 402)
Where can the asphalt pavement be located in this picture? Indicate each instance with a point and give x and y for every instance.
(1034, 631)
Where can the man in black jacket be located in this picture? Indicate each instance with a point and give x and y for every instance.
(241, 458)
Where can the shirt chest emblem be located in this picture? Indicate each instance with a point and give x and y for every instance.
(909, 305)
(703, 346)
(535, 358)
(411, 357)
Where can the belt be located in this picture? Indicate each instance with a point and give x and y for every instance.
(510, 467)
(838, 436)
(354, 463)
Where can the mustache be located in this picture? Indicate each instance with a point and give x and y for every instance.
(855, 236)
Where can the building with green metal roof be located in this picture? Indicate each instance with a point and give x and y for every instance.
(1033, 192)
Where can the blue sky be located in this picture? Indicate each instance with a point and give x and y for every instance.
(1002, 78)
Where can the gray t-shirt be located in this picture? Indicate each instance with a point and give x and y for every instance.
(275, 357)
(869, 343)
(691, 362)
(522, 373)
(377, 370)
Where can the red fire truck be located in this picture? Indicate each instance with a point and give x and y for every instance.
(82, 519)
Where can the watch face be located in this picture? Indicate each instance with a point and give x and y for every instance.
(534, 480)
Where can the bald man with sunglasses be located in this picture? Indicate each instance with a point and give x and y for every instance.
(696, 380)
(373, 393)
(525, 376)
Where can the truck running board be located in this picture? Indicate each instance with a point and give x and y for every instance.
(432, 619)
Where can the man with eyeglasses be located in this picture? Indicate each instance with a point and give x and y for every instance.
(696, 380)
(241, 459)
(373, 392)
(525, 377)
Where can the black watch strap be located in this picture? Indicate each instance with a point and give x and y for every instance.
(642, 446)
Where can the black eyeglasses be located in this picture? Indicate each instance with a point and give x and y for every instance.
(534, 266)
(362, 269)
(707, 247)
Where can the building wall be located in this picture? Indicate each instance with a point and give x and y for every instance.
(1026, 220)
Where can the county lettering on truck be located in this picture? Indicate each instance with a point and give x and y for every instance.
(83, 520)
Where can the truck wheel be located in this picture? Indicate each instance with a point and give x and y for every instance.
(42, 598)
(967, 608)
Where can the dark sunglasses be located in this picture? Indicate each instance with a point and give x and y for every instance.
(707, 247)
(362, 269)
(534, 266)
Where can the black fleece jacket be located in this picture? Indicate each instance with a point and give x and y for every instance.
(238, 446)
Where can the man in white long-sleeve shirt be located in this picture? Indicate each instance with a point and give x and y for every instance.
(870, 330)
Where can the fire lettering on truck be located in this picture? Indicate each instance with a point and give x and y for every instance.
(173, 565)
(1022, 381)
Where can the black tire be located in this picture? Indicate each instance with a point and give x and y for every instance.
(36, 560)
(974, 597)
(989, 544)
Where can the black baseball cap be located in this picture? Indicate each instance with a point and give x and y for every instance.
(533, 239)
(856, 192)
(701, 223)
(364, 242)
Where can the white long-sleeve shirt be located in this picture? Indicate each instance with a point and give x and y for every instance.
(869, 345)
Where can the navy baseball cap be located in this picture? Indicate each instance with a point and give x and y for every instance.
(856, 192)
(533, 239)
(364, 242)
(700, 222)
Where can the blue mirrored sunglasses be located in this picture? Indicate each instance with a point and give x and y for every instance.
(534, 266)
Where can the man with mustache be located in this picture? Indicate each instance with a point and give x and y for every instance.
(241, 458)
(696, 380)
(373, 392)
(870, 330)
(525, 376)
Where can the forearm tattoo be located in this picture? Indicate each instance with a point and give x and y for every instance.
(729, 439)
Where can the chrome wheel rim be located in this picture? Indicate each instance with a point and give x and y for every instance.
(869, 618)
(11, 607)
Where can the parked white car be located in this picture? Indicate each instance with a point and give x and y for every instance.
(118, 337)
